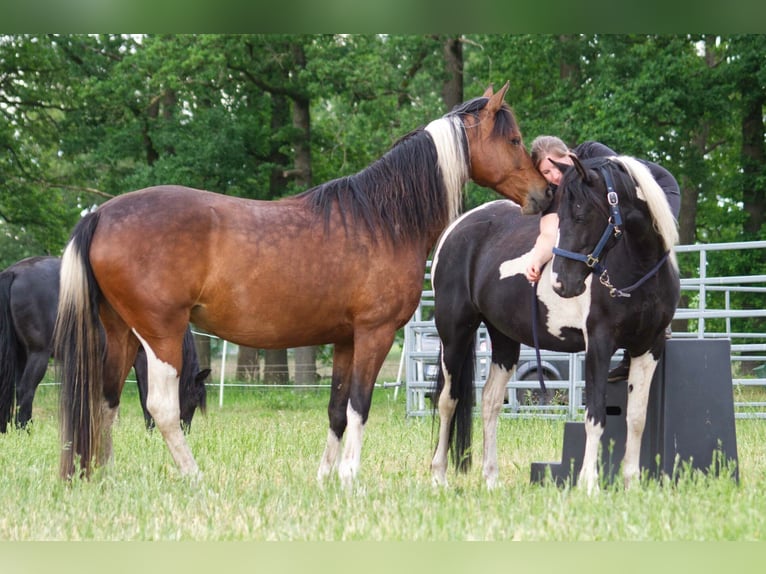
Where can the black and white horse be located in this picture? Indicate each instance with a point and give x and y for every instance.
(613, 283)
(29, 294)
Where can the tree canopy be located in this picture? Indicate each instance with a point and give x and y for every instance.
(87, 117)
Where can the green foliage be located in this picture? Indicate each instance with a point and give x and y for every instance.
(86, 117)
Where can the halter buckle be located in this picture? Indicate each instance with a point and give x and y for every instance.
(591, 261)
(611, 197)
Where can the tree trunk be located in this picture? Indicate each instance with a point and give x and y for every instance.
(305, 357)
(306, 366)
(248, 364)
(452, 91)
(753, 157)
(275, 369)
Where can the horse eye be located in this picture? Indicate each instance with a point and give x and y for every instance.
(515, 141)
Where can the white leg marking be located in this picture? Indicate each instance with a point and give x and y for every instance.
(491, 403)
(639, 383)
(330, 456)
(352, 449)
(589, 473)
(162, 404)
(446, 412)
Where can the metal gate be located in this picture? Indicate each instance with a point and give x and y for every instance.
(710, 312)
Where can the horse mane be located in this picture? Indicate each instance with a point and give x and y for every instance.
(402, 194)
(648, 190)
(416, 186)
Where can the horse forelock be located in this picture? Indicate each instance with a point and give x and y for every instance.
(649, 191)
(407, 193)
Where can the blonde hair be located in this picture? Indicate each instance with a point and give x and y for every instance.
(543, 146)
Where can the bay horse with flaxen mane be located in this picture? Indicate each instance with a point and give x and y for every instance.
(29, 294)
(341, 263)
(613, 283)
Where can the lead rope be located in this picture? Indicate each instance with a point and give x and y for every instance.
(535, 338)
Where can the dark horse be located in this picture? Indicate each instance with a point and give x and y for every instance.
(478, 275)
(29, 294)
(340, 263)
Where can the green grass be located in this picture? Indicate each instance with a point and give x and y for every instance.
(259, 455)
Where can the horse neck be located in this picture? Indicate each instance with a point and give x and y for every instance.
(634, 255)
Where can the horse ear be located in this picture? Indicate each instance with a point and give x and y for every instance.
(488, 92)
(496, 99)
(581, 171)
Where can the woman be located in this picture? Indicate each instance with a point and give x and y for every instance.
(546, 150)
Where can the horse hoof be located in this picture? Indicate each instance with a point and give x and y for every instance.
(439, 480)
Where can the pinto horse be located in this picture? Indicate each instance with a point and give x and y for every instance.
(29, 293)
(340, 263)
(478, 275)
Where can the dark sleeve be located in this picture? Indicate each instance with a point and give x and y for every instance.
(590, 149)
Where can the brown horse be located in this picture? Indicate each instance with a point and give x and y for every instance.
(341, 263)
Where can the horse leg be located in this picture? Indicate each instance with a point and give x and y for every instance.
(505, 356)
(370, 350)
(34, 371)
(162, 398)
(446, 407)
(343, 355)
(457, 334)
(597, 359)
(121, 346)
(639, 383)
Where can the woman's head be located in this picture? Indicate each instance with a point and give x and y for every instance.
(547, 148)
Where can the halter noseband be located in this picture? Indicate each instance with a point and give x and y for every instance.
(612, 228)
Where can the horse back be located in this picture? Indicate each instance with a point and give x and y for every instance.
(480, 241)
(244, 268)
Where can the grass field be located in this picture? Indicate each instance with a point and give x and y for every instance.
(259, 455)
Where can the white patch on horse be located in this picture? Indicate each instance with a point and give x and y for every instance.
(588, 477)
(563, 313)
(639, 383)
(491, 403)
(352, 451)
(163, 404)
(446, 407)
(445, 133)
(330, 456)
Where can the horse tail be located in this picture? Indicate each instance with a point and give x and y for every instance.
(10, 363)
(79, 344)
(461, 389)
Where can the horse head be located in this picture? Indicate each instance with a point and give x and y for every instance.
(605, 202)
(498, 158)
(590, 223)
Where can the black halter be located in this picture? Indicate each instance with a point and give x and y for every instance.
(613, 225)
